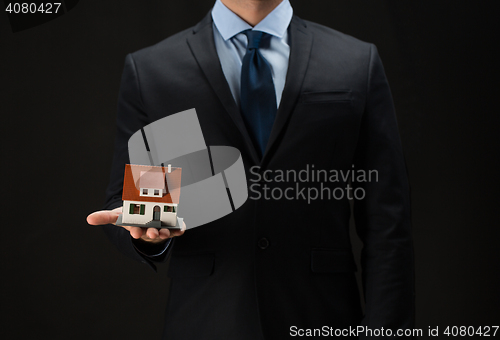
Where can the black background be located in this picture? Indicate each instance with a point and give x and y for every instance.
(62, 279)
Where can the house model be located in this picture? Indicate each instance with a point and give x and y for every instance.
(150, 196)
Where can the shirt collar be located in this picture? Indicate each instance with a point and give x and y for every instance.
(229, 24)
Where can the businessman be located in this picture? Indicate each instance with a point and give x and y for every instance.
(290, 95)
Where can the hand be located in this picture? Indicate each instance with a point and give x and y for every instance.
(152, 235)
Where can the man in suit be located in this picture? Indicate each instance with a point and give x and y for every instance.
(275, 268)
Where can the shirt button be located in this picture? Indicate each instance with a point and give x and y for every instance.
(263, 243)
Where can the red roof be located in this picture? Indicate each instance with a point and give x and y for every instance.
(134, 174)
(152, 180)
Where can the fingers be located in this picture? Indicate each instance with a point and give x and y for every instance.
(135, 232)
(150, 234)
(165, 234)
(104, 217)
(154, 235)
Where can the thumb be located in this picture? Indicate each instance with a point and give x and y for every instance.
(103, 217)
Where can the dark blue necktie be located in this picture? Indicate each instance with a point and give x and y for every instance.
(258, 97)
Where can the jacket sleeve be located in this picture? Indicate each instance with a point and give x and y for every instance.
(382, 217)
(130, 118)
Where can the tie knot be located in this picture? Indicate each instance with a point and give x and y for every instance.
(254, 38)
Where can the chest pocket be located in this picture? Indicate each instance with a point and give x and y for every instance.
(320, 121)
(337, 96)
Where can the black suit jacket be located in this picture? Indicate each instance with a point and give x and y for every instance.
(336, 112)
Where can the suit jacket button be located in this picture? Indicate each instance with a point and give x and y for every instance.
(263, 243)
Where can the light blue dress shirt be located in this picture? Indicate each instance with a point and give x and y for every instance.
(231, 47)
(231, 44)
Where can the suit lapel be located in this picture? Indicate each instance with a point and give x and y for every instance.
(300, 47)
(202, 45)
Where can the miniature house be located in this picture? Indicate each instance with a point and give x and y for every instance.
(150, 195)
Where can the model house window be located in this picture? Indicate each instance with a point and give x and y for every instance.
(134, 209)
(151, 192)
(167, 208)
(137, 209)
(173, 209)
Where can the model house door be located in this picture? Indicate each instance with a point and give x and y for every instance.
(156, 213)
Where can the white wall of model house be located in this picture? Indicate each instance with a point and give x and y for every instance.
(169, 218)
